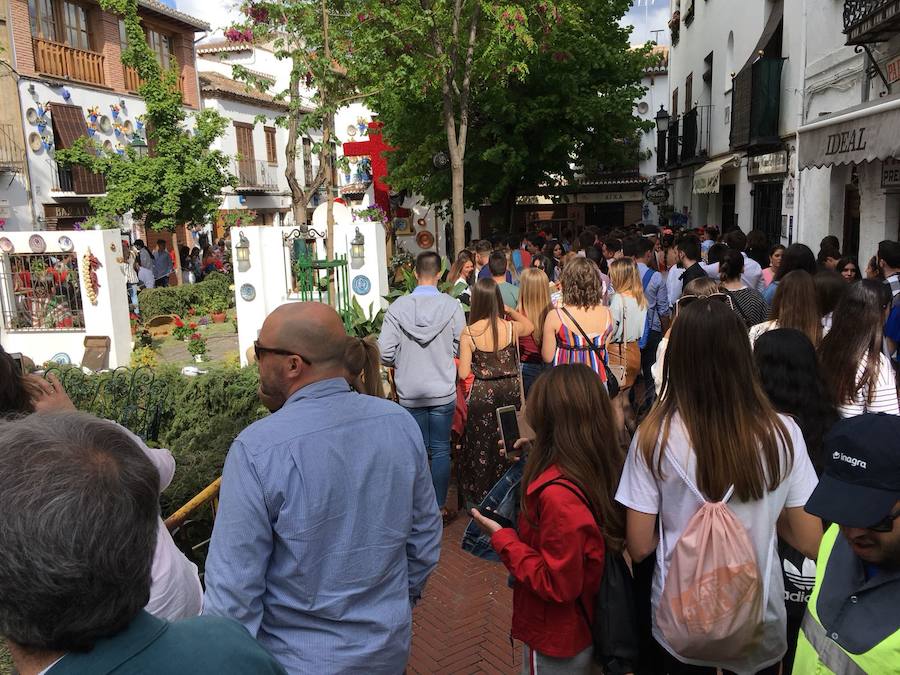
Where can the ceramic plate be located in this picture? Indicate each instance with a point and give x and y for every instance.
(128, 127)
(248, 292)
(351, 130)
(421, 222)
(425, 239)
(108, 146)
(37, 244)
(31, 115)
(35, 142)
(66, 244)
(643, 108)
(6, 245)
(105, 124)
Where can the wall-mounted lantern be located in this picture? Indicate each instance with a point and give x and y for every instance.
(242, 253)
(358, 248)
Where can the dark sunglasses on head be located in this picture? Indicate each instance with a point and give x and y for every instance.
(259, 349)
(686, 300)
(886, 524)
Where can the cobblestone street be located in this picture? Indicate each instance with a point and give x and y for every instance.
(461, 625)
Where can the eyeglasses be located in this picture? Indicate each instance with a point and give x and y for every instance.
(259, 349)
(686, 300)
(886, 524)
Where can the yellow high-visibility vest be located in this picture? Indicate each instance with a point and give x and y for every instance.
(818, 654)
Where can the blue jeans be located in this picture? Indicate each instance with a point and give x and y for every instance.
(435, 422)
(133, 294)
(503, 499)
(531, 372)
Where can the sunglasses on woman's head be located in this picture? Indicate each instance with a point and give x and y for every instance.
(686, 300)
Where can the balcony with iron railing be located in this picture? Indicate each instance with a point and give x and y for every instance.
(869, 21)
(255, 175)
(61, 178)
(12, 155)
(687, 140)
(59, 60)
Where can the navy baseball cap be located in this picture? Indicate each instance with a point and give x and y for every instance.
(861, 482)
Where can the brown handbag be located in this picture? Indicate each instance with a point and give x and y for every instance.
(624, 358)
(525, 430)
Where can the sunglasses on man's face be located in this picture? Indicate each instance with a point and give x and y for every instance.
(258, 349)
(886, 524)
(686, 300)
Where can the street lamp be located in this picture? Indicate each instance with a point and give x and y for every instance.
(140, 148)
(358, 248)
(662, 119)
(242, 253)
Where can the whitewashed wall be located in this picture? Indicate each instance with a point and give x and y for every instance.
(109, 317)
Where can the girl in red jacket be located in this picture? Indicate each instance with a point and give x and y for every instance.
(556, 557)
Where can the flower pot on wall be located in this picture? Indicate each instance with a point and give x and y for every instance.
(218, 317)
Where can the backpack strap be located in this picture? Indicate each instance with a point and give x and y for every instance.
(693, 488)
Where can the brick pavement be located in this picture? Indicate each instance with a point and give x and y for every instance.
(461, 625)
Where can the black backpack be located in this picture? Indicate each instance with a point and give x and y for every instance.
(615, 626)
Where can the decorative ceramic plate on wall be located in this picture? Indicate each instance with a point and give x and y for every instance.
(128, 127)
(31, 115)
(351, 130)
(105, 124)
(425, 239)
(6, 245)
(65, 244)
(35, 142)
(108, 146)
(248, 292)
(37, 244)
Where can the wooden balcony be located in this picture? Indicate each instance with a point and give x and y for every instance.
(58, 60)
(133, 81)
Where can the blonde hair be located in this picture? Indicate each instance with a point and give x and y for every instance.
(623, 273)
(534, 299)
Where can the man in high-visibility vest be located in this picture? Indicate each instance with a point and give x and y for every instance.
(852, 622)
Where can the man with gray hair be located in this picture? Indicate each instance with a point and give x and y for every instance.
(78, 525)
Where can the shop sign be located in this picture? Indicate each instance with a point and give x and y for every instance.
(68, 210)
(890, 174)
(658, 194)
(893, 70)
(607, 197)
(768, 164)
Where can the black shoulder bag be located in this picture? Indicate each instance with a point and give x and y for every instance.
(612, 384)
(614, 630)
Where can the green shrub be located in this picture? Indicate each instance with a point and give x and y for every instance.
(216, 287)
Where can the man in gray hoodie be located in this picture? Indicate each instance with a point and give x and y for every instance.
(419, 339)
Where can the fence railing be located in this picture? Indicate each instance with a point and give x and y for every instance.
(871, 20)
(255, 174)
(53, 58)
(12, 155)
(40, 292)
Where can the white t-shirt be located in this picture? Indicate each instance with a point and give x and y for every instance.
(145, 276)
(673, 500)
(752, 275)
(885, 398)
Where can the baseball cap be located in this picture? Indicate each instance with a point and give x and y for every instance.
(861, 482)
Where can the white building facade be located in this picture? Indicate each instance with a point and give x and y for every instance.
(735, 81)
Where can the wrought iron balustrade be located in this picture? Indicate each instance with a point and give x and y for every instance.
(40, 292)
(255, 175)
(868, 21)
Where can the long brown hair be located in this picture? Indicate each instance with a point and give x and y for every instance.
(487, 303)
(581, 284)
(623, 273)
(457, 267)
(362, 359)
(572, 418)
(796, 306)
(534, 299)
(855, 335)
(732, 427)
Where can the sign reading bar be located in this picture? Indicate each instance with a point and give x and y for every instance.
(890, 174)
(768, 164)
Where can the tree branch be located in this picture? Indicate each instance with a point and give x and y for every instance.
(467, 79)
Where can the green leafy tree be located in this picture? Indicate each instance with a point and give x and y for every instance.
(441, 54)
(183, 179)
(568, 105)
(307, 34)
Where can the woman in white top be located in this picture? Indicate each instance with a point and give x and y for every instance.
(715, 425)
(628, 308)
(859, 377)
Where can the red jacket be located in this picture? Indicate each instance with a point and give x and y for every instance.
(554, 563)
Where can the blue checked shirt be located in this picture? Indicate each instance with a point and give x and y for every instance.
(657, 297)
(327, 530)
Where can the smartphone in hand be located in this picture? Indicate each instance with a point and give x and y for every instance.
(496, 517)
(509, 426)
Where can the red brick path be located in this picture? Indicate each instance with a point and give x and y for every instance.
(461, 625)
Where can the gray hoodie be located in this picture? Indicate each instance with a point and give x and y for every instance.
(419, 338)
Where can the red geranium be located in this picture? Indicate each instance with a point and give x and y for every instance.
(196, 336)
(192, 325)
(179, 323)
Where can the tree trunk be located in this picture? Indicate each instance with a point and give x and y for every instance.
(459, 207)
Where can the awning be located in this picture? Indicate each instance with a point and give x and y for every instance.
(865, 133)
(706, 178)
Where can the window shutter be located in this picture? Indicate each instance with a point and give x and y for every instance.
(68, 126)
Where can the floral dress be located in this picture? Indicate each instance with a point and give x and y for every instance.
(496, 384)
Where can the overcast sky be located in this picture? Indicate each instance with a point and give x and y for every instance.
(645, 16)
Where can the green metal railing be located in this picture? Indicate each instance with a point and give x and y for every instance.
(317, 280)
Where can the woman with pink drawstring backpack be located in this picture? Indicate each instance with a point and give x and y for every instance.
(713, 472)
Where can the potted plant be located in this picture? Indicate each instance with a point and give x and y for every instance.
(217, 308)
(197, 347)
(182, 332)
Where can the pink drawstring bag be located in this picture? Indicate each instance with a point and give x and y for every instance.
(711, 603)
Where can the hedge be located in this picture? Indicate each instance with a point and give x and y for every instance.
(199, 418)
(179, 299)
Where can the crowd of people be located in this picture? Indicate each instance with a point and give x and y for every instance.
(706, 475)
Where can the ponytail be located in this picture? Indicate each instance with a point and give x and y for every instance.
(362, 360)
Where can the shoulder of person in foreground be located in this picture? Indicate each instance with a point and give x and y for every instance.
(215, 645)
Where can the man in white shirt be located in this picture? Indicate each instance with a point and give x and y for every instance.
(752, 275)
